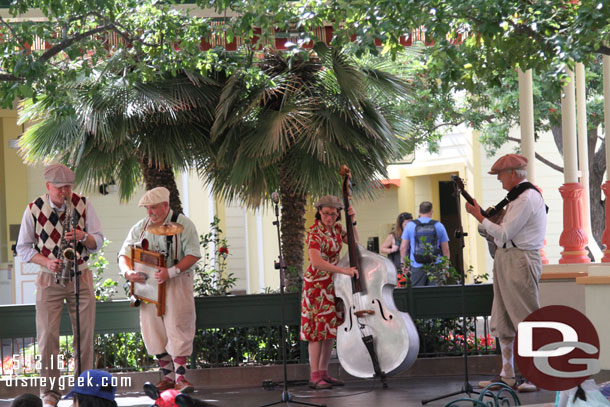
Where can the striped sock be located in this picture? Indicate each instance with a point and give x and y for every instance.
(180, 365)
(166, 365)
(508, 364)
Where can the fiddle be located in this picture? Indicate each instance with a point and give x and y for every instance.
(375, 338)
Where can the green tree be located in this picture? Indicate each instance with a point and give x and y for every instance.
(113, 130)
(149, 37)
(472, 43)
(145, 39)
(104, 288)
(290, 129)
(493, 109)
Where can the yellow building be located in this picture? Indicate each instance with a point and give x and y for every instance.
(251, 236)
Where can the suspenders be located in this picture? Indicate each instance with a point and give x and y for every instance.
(514, 194)
(174, 238)
(171, 240)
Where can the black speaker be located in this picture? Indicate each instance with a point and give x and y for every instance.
(372, 244)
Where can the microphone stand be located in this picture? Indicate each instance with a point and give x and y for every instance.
(459, 234)
(286, 396)
(76, 273)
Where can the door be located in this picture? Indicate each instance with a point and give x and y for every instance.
(450, 218)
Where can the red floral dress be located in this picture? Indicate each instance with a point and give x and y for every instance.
(318, 315)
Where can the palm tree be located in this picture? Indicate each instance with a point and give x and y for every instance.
(291, 129)
(112, 130)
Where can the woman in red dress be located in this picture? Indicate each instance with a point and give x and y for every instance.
(318, 314)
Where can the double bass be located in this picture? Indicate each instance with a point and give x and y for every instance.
(375, 338)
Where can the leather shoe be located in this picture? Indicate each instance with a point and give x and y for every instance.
(165, 385)
(320, 385)
(334, 381)
(184, 386)
(526, 387)
(509, 381)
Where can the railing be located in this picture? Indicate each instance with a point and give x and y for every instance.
(237, 330)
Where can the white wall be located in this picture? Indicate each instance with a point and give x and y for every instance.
(251, 260)
(236, 232)
(546, 178)
(377, 217)
(456, 147)
(6, 290)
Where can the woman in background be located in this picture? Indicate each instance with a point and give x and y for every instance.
(391, 245)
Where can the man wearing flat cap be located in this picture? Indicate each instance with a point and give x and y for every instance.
(41, 237)
(169, 338)
(517, 263)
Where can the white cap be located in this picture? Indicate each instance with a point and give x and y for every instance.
(154, 196)
(59, 175)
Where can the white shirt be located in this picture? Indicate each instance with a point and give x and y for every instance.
(188, 240)
(524, 223)
(27, 231)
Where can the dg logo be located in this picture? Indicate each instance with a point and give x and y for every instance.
(557, 348)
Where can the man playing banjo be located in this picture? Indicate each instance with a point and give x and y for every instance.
(517, 262)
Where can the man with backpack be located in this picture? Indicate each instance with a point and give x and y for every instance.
(425, 240)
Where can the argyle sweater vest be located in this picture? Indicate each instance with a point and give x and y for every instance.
(49, 227)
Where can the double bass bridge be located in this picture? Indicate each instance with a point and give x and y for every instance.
(363, 313)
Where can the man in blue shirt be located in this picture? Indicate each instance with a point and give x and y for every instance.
(436, 237)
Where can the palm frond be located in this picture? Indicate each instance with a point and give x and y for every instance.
(103, 125)
(306, 121)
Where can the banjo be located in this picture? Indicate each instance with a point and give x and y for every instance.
(493, 214)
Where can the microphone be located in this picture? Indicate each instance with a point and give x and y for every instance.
(275, 197)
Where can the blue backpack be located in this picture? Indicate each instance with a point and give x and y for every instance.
(425, 236)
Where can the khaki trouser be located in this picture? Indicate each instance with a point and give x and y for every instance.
(173, 332)
(516, 276)
(49, 305)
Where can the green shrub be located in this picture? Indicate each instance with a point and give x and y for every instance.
(211, 277)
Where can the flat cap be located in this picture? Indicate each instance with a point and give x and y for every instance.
(154, 196)
(329, 201)
(508, 162)
(59, 175)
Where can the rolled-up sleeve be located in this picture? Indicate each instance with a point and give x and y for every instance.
(94, 227)
(190, 239)
(132, 237)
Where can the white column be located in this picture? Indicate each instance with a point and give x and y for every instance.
(247, 246)
(526, 113)
(583, 155)
(573, 238)
(606, 79)
(568, 123)
(260, 251)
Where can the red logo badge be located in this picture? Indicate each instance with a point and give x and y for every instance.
(557, 348)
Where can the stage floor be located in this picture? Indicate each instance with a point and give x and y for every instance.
(404, 392)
